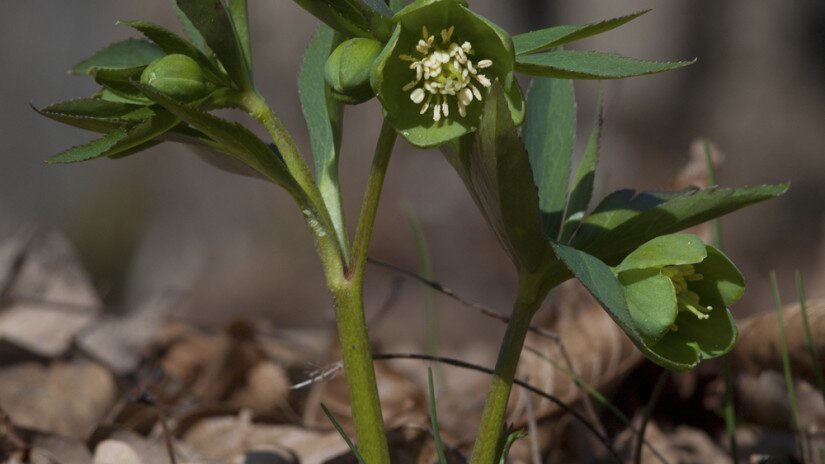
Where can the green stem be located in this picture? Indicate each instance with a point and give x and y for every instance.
(486, 448)
(352, 325)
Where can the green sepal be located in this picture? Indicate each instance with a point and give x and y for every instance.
(178, 76)
(347, 69)
(545, 39)
(723, 284)
(569, 64)
(129, 53)
(651, 301)
(121, 140)
(666, 250)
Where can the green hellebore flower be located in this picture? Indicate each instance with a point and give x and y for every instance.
(437, 68)
(347, 70)
(678, 291)
(177, 76)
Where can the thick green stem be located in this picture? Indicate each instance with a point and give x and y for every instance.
(352, 325)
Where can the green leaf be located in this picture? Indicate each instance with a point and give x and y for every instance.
(172, 43)
(582, 189)
(323, 116)
(396, 5)
(624, 220)
(192, 32)
(567, 64)
(545, 39)
(354, 449)
(122, 140)
(666, 250)
(240, 18)
(95, 114)
(214, 22)
(128, 53)
(549, 134)
(511, 438)
(651, 301)
(237, 140)
(120, 80)
(500, 179)
(353, 18)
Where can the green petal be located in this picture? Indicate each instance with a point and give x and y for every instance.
(651, 300)
(667, 250)
(706, 338)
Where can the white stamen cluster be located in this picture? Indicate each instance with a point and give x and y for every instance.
(444, 71)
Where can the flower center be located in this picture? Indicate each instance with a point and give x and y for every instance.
(687, 300)
(444, 72)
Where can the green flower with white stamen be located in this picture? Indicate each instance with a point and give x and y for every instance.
(437, 68)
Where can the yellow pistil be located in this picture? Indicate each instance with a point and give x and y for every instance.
(445, 71)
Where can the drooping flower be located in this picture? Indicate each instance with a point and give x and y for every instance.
(437, 68)
(678, 291)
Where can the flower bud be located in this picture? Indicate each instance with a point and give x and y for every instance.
(177, 76)
(348, 69)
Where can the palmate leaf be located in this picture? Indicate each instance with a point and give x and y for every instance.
(128, 53)
(624, 220)
(237, 140)
(581, 190)
(353, 18)
(122, 140)
(549, 133)
(172, 43)
(217, 27)
(323, 116)
(496, 170)
(568, 64)
(545, 39)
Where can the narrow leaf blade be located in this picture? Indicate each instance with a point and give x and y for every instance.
(568, 64)
(91, 150)
(239, 12)
(360, 18)
(549, 136)
(128, 53)
(545, 39)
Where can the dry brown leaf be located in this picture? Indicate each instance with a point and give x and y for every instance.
(231, 437)
(53, 448)
(758, 347)
(120, 343)
(63, 398)
(47, 295)
(684, 445)
(265, 390)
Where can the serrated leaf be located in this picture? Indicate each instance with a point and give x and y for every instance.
(358, 18)
(582, 188)
(545, 39)
(214, 22)
(120, 80)
(625, 220)
(95, 114)
(323, 115)
(172, 43)
(240, 18)
(192, 32)
(128, 53)
(239, 141)
(549, 133)
(568, 64)
(496, 170)
(121, 141)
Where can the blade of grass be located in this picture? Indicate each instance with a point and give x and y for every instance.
(439, 446)
(809, 340)
(786, 361)
(729, 407)
(648, 412)
(343, 434)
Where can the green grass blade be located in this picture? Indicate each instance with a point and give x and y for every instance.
(786, 361)
(809, 340)
(343, 434)
(425, 269)
(439, 445)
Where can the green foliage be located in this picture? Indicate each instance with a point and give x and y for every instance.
(550, 134)
(353, 18)
(323, 115)
(128, 53)
(545, 39)
(495, 167)
(439, 445)
(568, 64)
(340, 430)
(347, 71)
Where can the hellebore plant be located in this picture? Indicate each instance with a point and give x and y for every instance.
(445, 77)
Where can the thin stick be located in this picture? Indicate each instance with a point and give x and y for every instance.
(648, 412)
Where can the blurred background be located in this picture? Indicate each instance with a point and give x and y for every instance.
(237, 247)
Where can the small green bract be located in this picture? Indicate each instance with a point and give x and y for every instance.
(437, 68)
(347, 70)
(177, 76)
(678, 291)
